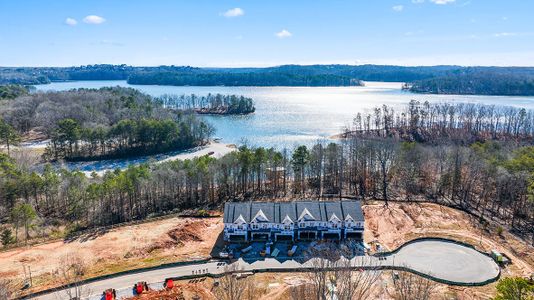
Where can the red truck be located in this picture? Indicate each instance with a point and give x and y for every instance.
(140, 287)
(109, 294)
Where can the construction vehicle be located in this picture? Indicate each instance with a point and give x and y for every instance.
(109, 294)
(168, 284)
(140, 287)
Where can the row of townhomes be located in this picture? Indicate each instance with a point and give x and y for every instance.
(298, 220)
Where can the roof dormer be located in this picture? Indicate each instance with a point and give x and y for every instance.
(334, 219)
(240, 220)
(306, 215)
(287, 220)
(260, 217)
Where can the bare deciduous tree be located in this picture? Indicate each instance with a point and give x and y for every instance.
(231, 287)
(412, 287)
(333, 273)
(71, 270)
(356, 278)
(6, 289)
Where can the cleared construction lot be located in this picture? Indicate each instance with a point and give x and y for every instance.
(440, 259)
(185, 239)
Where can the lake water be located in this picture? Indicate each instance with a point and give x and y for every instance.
(290, 116)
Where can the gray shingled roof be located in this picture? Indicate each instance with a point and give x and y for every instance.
(284, 209)
(354, 209)
(267, 209)
(276, 212)
(232, 210)
(331, 208)
(313, 207)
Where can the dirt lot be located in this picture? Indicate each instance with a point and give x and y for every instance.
(178, 239)
(394, 225)
(398, 223)
(123, 248)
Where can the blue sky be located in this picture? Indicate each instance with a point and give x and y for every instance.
(263, 33)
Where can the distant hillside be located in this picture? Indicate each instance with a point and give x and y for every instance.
(241, 79)
(433, 79)
(480, 81)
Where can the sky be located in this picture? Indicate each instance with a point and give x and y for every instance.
(224, 33)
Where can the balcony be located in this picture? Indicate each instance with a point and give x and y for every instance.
(235, 231)
(261, 230)
(354, 229)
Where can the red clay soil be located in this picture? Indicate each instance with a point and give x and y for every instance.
(183, 291)
(188, 231)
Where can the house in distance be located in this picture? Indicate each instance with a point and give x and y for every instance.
(297, 220)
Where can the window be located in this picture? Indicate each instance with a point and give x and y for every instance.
(302, 225)
(254, 226)
(287, 227)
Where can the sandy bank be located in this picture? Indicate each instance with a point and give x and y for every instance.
(214, 149)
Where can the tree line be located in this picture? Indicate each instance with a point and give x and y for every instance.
(240, 79)
(210, 104)
(492, 180)
(477, 83)
(444, 122)
(37, 75)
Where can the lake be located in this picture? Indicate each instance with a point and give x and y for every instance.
(290, 116)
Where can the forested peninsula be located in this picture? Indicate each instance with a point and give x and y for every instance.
(87, 124)
(482, 83)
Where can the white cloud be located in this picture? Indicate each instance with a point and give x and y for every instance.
(505, 34)
(418, 1)
(92, 19)
(283, 34)
(442, 2)
(234, 12)
(71, 21)
(398, 8)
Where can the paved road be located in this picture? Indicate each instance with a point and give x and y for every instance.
(439, 259)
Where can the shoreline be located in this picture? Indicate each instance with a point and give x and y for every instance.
(213, 148)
